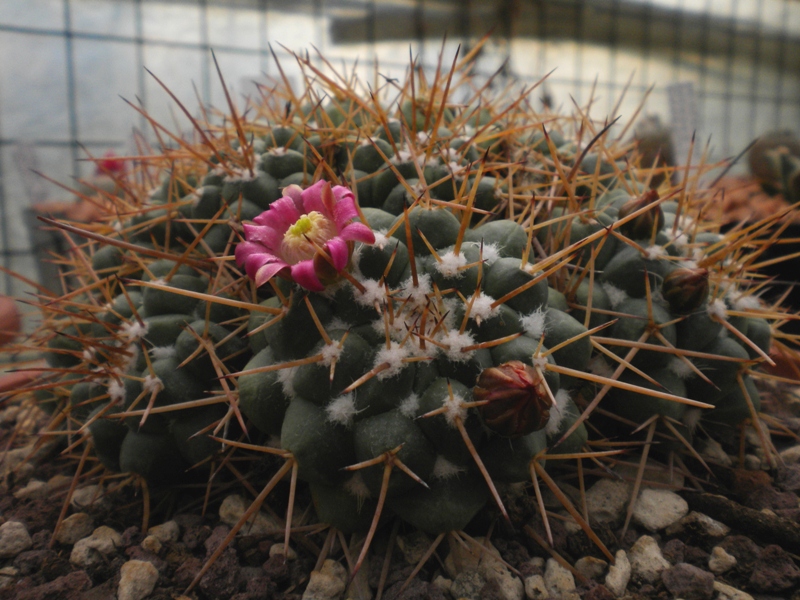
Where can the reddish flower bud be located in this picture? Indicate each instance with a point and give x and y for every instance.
(685, 289)
(642, 226)
(517, 399)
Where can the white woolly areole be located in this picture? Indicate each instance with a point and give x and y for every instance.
(277, 151)
(456, 169)
(419, 294)
(534, 323)
(423, 137)
(455, 343)
(654, 252)
(241, 175)
(337, 323)
(116, 391)
(374, 291)
(285, 377)
(118, 226)
(409, 406)
(403, 155)
(88, 354)
(482, 308)
(491, 253)
(330, 352)
(152, 384)
(717, 308)
(356, 487)
(557, 412)
(451, 263)
(691, 418)
(342, 410)
(680, 368)
(381, 239)
(159, 352)
(444, 469)
(540, 362)
(454, 408)
(134, 330)
(599, 366)
(450, 155)
(743, 302)
(615, 295)
(393, 356)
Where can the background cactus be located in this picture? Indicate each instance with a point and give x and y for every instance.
(522, 277)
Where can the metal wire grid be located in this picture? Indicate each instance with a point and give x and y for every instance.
(72, 58)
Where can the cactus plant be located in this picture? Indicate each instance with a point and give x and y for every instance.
(411, 306)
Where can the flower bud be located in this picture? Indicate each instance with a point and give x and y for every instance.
(517, 399)
(685, 289)
(642, 226)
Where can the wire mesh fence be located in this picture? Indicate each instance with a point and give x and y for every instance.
(728, 70)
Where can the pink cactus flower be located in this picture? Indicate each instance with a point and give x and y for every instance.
(306, 236)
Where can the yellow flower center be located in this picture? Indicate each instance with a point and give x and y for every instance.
(309, 232)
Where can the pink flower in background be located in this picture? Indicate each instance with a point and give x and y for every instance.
(306, 236)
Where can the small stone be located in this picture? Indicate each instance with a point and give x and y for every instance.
(232, 510)
(59, 482)
(89, 550)
(700, 525)
(646, 560)
(607, 501)
(657, 509)
(619, 574)
(726, 592)
(559, 581)
(720, 561)
(711, 450)
(166, 532)
(152, 544)
(507, 585)
(328, 583)
(791, 455)
(688, 582)
(464, 557)
(535, 589)
(591, 567)
(34, 490)
(14, 538)
(774, 571)
(752, 462)
(443, 584)
(751, 435)
(75, 527)
(8, 576)
(468, 584)
(137, 580)
(86, 496)
(280, 550)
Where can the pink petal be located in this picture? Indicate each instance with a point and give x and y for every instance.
(246, 249)
(281, 215)
(295, 193)
(328, 200)
(340, 253)
(345, 210)
(267, 272)
(267, 237)
(312, 199)
(303, 274)
(358, 231)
